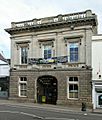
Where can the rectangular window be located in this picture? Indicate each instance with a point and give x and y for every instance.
(73, 87)
(73, 51)
(24, 55)
(73, 79)
(47, 51)
(23, 87)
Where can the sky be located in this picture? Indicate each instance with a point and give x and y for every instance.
(21, 10)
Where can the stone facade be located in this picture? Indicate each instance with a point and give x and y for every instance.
(58, 32)
(61, 75)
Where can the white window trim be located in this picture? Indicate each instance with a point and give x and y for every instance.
(19, 90)
(43, 50)
(20, 57)
(68, 50)
(72, 82)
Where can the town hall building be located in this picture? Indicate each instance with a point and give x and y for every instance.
(51, 59)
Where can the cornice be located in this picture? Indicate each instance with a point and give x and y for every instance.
(53, 25)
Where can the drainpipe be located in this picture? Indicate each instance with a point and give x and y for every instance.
(85, 46)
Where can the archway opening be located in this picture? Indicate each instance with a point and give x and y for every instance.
(47, 89)
(100, 100)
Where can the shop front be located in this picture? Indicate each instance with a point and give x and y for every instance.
(97, 94)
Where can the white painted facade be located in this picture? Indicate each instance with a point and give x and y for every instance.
(4, 79)
(97, 71)
(4, 69)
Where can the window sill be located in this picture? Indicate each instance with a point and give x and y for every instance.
(73, 98)
(23, 96)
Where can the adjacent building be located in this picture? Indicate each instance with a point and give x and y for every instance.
(97, 71)
(4, 77)
(51, 59)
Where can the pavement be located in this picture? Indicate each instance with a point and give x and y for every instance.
(51, 107)
(98, 111)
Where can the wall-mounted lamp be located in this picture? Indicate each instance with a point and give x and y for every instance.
(65, 40)
(39, 45)
(80, 41)
(99, 76)
(72, 27)
(52, 44)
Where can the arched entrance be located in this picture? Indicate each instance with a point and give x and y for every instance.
(47, 89)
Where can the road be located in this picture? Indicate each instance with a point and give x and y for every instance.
(42, 112)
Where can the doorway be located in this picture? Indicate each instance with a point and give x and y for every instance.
(4, 87)
(47, 89)
(99, 100)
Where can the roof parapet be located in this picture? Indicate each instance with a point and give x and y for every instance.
(58, 18)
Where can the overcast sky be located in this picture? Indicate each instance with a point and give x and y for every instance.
(20, 10)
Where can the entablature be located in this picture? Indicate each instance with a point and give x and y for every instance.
(74, 19)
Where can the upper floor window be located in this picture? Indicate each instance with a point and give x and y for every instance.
(47, 51)
(24, 55)
(73, 51)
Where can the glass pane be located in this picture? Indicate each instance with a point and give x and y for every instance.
(70, 87)
(71, 79)
(73, 52)
(76, 49)
(70, 95)
(21, 79)
(22, 60)
(75, 78)
(45, 56)
(49, 55)
(76, 57)
(24, 51)
(23, 93)
(75, 87)
(25, 79)
(75, 95)
(24, 86)
(25, 59)
(100, 100)
(71, 58)
(45, 51)
(21, 86)
(49, 51)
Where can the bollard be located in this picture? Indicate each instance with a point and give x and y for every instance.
(83, 107)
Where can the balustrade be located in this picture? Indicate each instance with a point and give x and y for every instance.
(59, 18)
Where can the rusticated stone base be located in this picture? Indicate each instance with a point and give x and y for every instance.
(61, 75)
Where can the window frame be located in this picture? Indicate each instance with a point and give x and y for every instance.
(73, 83)
(68, 50)
(48, 46)
(25, 54)
(19, 86)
